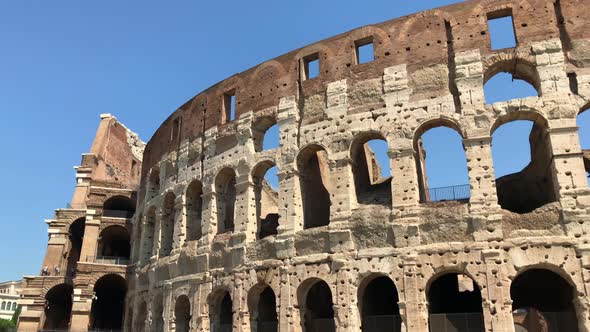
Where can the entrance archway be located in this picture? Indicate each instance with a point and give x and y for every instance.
(378, 301)
(543, 301)
(114, 243)
(182, 313)
(109, 302)
(221, 312)
(318, 312)
(58, 307)
(76, 234)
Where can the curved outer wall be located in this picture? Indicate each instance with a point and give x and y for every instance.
(429, 70)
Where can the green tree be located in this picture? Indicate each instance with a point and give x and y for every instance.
(6, 325)
(15, 316)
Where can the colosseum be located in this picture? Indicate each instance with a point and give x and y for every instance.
(338, 247)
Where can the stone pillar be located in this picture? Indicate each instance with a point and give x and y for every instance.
(81, 307)
(290, 207)
(56, 248)
(342, 196)
(288, 315)
(201, 320)
(416, 307)
(497, 299)
(168, 306)
(246, 219)
(483, 203)
(395, 86)
(346, 308)
(550, 61)
(179, 218)
(582, 302)
(469, 80)
(240, 302)
(91, 235)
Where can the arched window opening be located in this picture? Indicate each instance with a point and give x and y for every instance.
(583, 122)
(13, 306)
(263, 309)
(119, 207)
(372, 174)
(167, 225)
(194, 206)
(182, 313)
(504, 87)
(522, 164)
(75, 236)
(147, 235)
(543, 301)
(58, 307)
(140, 320)
(455, 304)
(319, 309)
(158, 313)
(154, 183)
(265, 134)
(221, 311)
(225, 187)
(113, 245)
(109, 303)
(314, 177)
(442, 165)
(266, 195)
(3, 307)
(379, 306)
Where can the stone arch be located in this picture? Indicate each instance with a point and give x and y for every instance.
(194, 210)
(454, 299)
(378, 299)
(315, 299)
(418, 18)
(260, 126)
(371, 187)
(167, 224)
(75, 238)
(266, 199)
(262, 305)
(313, 166)
(118, 206)
(58, 306)
(531, 187)
(225, 194)
(281, 72)
(182, 313)
(420, 154)
(518, 66)
(542, 297)
(221, 309)
(114, 241)
(153, 183)
(108, 305)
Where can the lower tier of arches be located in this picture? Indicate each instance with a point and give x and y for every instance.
(525, 286)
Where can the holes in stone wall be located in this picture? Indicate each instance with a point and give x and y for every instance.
(194, 205)
(454, 301)
(370, 165)
(147, 235)
(522, 164)
(543, 298)
(501, 30)
(154, 183)
(267, 198)
(441, 164)
(167, 225)
(314, 175)
(364, 50)
(310, 66)
(229, 106)
(225, 188)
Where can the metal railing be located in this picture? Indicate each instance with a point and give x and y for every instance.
(112, 260)
(450, 193)
(457, 322)
(117, 213)
(376, 323)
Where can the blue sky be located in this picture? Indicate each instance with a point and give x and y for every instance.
(64, 62)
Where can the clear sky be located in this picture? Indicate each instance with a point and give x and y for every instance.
(62, 63)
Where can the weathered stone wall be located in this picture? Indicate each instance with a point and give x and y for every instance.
(429, 70)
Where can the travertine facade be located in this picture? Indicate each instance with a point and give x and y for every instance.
(82, 282)
(351, 252)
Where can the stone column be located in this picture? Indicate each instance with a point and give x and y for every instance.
(498, 293)
(483, 203)
(179, 218)
(81, 307)
(246, 220)
(91, 234)
(290, 207)
(416, 307)
(168, 306)
(201, 320)
(345, 308)
(582, 302)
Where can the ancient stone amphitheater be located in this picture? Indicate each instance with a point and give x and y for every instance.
(337, 247)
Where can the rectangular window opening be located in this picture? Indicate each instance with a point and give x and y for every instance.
(311, 66)
(501, 30)
(175, 129)
(365, 51)
(229, 106)
(573, 79)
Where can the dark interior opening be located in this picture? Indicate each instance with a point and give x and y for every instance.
(119, 207)
(58, 307)
(114, 242)
(167, 225)
(380, 309)
(267, 311)
(194, 205)
(226, 200)
(314, 173)
(182, 314)
(109, 303)
(76, 235)
(319, 310)
(226, 313)
(368, 167)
